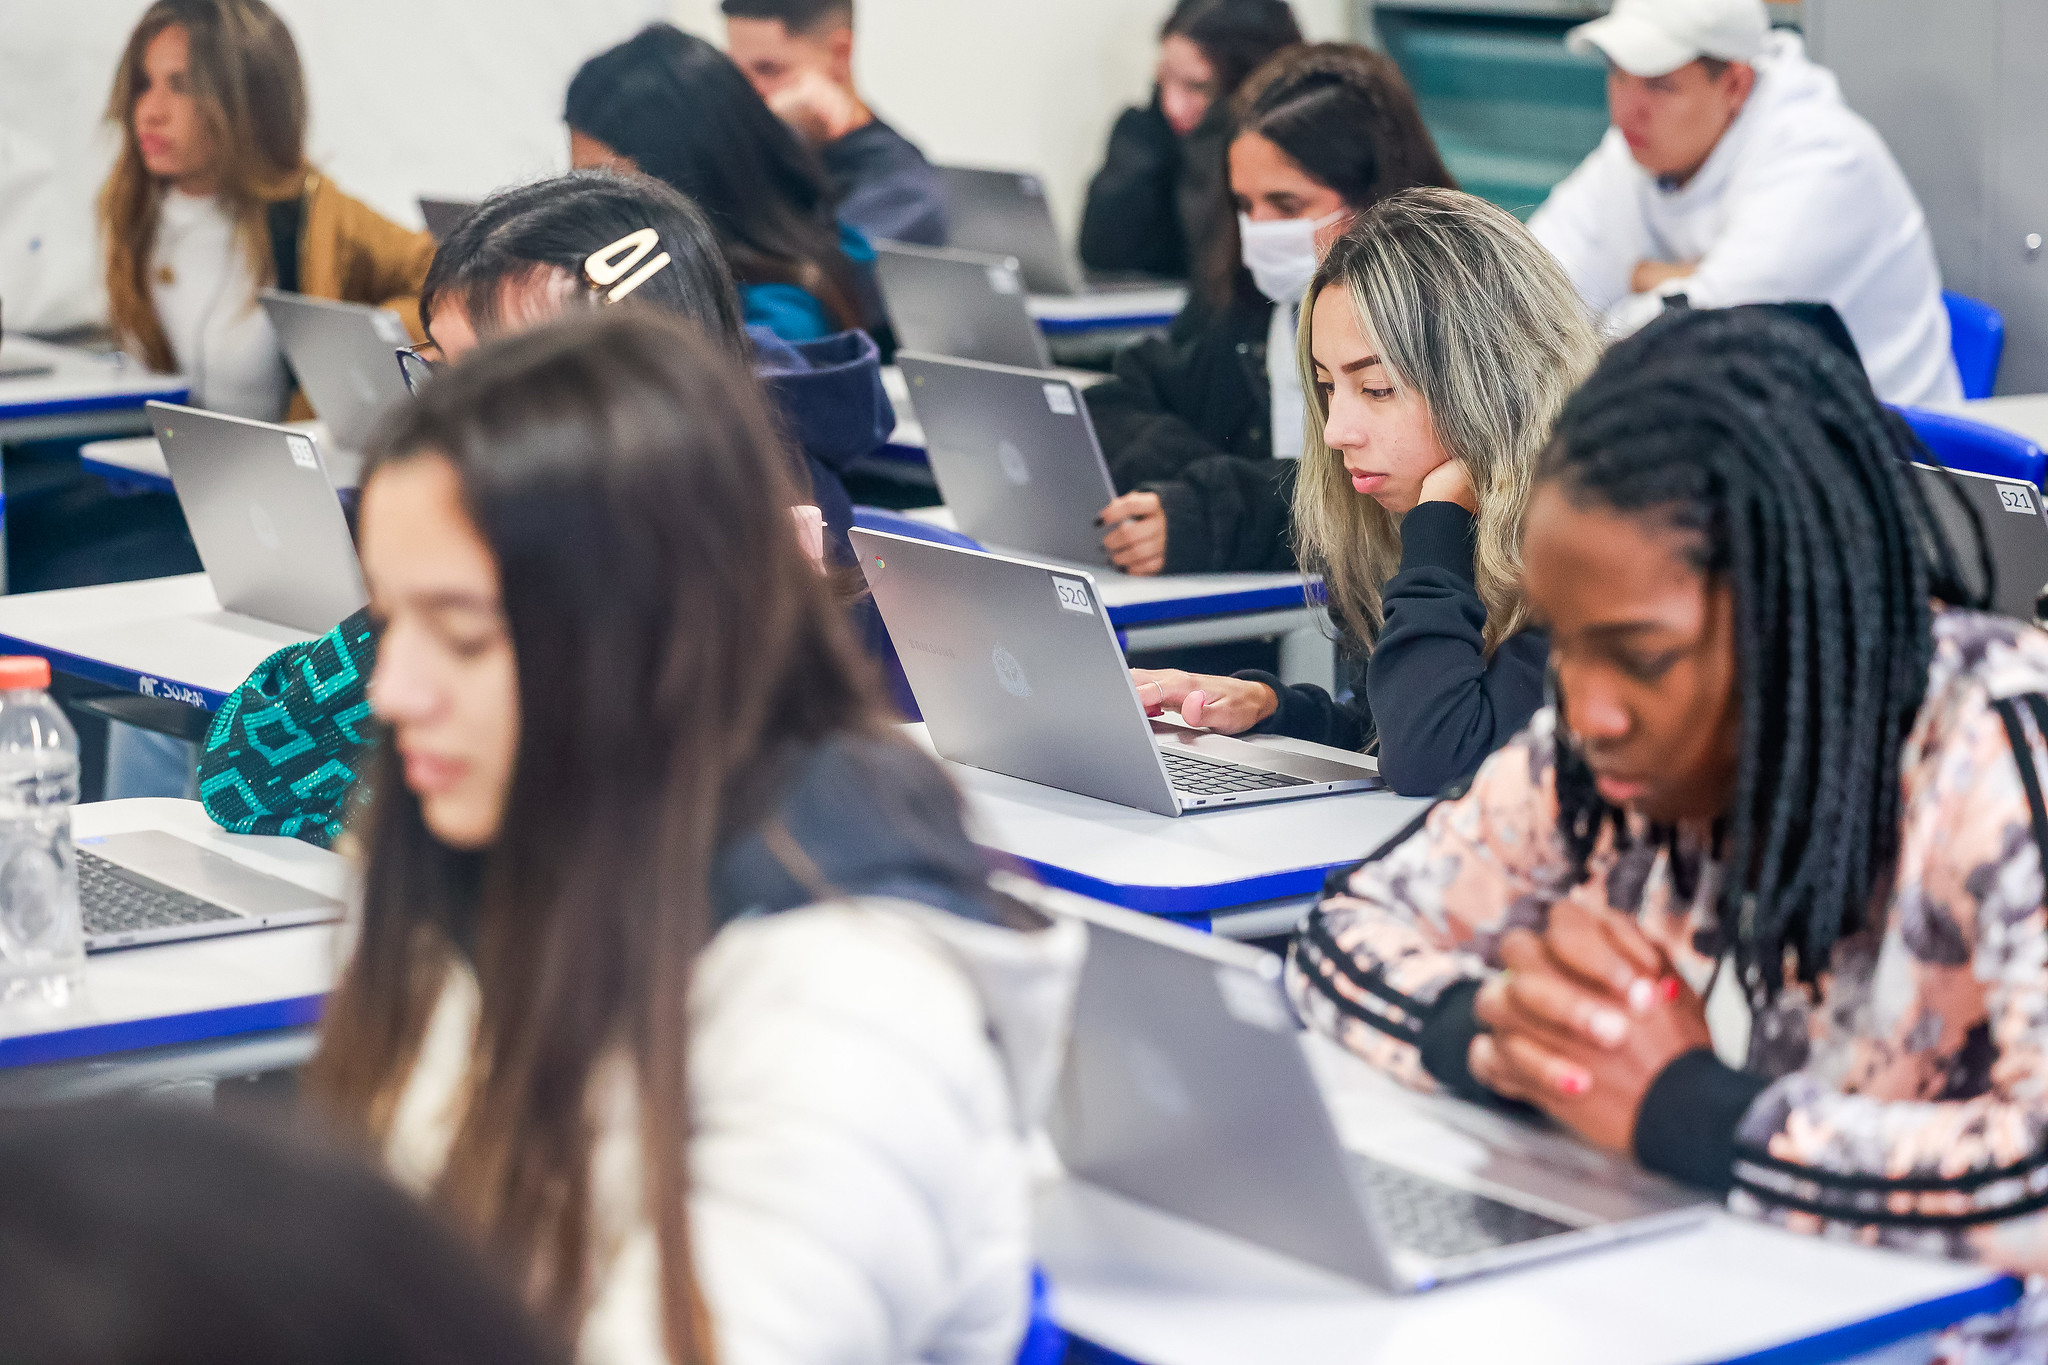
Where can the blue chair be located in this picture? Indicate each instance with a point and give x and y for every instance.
(1044, 1341)
(879, 519)
(1976, 333)
(1977, 447)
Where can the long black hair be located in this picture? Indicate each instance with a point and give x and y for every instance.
(1235, 36)
(559, 223)
(1344, 114)
(1750, 432)
(686, 115)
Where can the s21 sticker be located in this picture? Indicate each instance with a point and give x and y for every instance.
(1060, 399)
(2016, 497)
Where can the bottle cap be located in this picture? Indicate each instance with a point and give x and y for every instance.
(24, 670)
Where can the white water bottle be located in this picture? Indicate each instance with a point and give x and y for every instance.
(42, 943)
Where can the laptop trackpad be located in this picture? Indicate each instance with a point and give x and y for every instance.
(1310, 762)
(185, 866)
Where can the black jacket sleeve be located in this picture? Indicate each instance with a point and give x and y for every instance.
(1132, 217)
(1439, 704)
(1227, 515)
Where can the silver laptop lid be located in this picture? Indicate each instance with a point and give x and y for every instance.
(267, 523)
(1006, 212)
(443, 216)
(346, 358)
(1016, 668)
(1014, 453)
(2015, 531)
(959, 303)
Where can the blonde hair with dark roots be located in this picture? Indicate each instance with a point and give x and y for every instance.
(251, 96)
(1468, 311)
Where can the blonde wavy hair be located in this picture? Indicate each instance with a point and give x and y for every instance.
(251, 95)
(1467, 310)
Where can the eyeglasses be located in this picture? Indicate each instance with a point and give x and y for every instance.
(415, 368)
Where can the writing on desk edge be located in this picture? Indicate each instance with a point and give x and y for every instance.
(170, 691)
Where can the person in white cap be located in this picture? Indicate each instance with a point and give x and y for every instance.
(1734, 173)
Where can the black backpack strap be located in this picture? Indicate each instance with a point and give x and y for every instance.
(2023, 754)
(286, 218)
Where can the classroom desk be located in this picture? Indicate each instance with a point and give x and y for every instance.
(2023, 413)
(85, 394)
(136, 463)
(1165, 1291)
(157, 637)
(1109, 310)
(1172, 611)
(182, 1014)
(1248, 871)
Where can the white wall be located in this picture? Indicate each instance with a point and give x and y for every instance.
(1029, 84)
(442, 96)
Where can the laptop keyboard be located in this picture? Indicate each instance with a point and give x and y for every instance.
(1420, 1214)
(1205, 777)
(114, 900)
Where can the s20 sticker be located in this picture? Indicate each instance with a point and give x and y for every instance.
(1003, 279)
(1073, 595)
(2016, 497)
(1060, 399)
(302, 452)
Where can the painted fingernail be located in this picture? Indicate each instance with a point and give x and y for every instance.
(1607, 1026)
(1575, 1082)
(1667, 989)
(1641, 994)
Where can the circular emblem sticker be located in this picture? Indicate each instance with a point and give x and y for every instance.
(1012, 461)
(1010, 673)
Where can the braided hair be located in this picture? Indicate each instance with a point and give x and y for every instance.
(1749, 431)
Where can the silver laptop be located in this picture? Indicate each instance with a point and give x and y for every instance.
(1006, 213)
(1014, 453)
(153, 887)
(268, 524)
(1017, 670)
(2015, 531)
(443, 216)
(959, 303)
(346, 358)
(1190, 1086)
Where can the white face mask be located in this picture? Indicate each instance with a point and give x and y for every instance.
(1281, 254)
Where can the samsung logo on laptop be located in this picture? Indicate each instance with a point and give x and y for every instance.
(925, 647)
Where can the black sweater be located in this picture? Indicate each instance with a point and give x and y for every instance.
(1441, 706)
(1152, 205)
(1189, 417)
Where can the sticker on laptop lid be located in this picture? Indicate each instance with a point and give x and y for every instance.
(1073, 594)
(390, 328)
(1254, 1000)
(301, 448)
(2016, 497)
(1003, 279)
(1060, 399)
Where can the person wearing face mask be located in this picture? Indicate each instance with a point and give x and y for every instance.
(1202, 428)
(1152, 206)
(1442, 341)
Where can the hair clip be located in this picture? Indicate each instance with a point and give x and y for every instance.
(609, 265)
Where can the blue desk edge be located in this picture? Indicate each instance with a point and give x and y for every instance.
(134, 1035)
(1854, 1339)
(1188, 901)
(115, 676)
(58, 407)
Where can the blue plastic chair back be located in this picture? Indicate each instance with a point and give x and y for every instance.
(1976, 334)
(880, 519)
(1044, 1342)
(1977, 447)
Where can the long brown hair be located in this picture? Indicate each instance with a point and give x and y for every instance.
(251, 96)
(675, 651)
(1345, 115)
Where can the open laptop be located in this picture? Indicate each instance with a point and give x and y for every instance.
(1014, 454)
(346, 358)
(959, 303)
(1006, 213)
(2015, 531)
(1189, 1085)
(153, 887)
(268, 524)
(1017, 670)
(443, 216)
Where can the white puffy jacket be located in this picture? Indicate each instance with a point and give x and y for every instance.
(863, 1076)
(1800, 201)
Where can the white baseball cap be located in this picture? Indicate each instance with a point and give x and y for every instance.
(1655, 37)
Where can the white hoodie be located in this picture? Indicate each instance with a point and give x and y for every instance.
(1800, 201)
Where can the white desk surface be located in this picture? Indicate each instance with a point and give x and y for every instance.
(2023, 413)
(79, 381)
(1175, 865)
(1154, 306)
(143, 997)
(1166, 1291)
(157, 636)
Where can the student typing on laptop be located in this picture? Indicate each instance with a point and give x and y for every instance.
(1202, 428)
(1412, 487)
(1760, 900)
(284, 751)
(643, 817)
